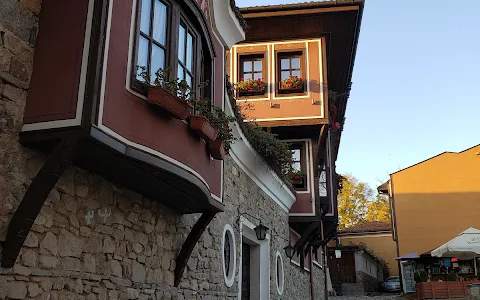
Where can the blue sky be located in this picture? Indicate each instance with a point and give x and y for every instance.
(415, 89)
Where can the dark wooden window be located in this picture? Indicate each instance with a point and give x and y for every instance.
(245, 271)
(251, 67)
(167, 37)
(152, 36)
(299, 159)
(290, 64)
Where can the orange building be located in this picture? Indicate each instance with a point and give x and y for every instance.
(434, 200)
(377, 236)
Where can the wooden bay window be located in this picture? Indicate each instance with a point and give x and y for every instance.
(291, 72)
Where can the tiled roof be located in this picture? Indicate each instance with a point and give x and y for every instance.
(303, 5)
(238, 14)
(373, 226)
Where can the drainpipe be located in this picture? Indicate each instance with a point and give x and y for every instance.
(312, 288)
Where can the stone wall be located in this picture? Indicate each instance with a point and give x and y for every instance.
(97, 240)
(368, 282)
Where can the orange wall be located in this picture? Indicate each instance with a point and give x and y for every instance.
(284, 107)
(381, 243)
(436, 200)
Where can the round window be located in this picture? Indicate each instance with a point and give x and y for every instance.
(280, 275)
(228, 255)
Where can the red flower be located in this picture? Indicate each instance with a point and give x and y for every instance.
(241, 79)
(289, 82)
(296, 177)
(227, 153)
(258, 80)
(249, 86)
(202, 99)
(300, 79)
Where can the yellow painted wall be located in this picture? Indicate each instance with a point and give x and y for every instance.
(382, 244)
(436, 200)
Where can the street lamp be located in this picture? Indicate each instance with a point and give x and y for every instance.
(289, 251)
(261, 231)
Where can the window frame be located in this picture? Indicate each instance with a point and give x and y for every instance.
(278, 71)
(302, 146)
(176, 15)
(241, 56)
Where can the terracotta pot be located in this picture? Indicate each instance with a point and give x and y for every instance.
(175, 106)
(217, 149)
(203, 128)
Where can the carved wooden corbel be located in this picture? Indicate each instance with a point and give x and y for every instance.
(190, 242)
(35, 197)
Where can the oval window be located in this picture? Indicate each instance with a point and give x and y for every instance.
(280, 275)
(228, 255)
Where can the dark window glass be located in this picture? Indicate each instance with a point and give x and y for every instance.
(226, 253)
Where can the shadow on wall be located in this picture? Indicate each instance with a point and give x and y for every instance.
(425, 221)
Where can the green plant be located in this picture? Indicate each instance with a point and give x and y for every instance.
(251, 84)
(218, 118)
(292, 82)
(162, 79)
(452, 276)
(421, 276)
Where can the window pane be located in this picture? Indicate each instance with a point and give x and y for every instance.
(160, 22)
(181, 72)
(257, 76)
(257, 65)
(296, 166)
(158, 60)
(189, 80)
(296, 155)
(142, 59)
(296, 73)
(181, 44)
(285, 74)
(247, 66)
(145, 16)
(189, 51)
(247, 76)
(295, 63)
(285, 63)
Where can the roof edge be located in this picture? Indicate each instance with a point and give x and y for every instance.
(304, 5)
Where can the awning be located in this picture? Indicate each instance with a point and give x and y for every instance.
(409, 256)
(465, 246)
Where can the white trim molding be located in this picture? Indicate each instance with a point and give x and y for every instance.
(230, 277)
(226, 23)
(255, 167)
(259, 261)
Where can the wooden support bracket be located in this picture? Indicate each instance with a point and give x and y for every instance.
(190, 242)
(35, 197)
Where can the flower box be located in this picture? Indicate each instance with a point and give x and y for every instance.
(297, 181)
(217, 149)
(203, 128)
(251, 92)
(285, 89)
(171, 103)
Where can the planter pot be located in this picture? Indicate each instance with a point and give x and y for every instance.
(290, 89)
(251, 92)
(203, 128)
(217, 149)
(172, 104)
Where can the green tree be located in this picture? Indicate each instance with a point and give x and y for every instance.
(378, 209)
